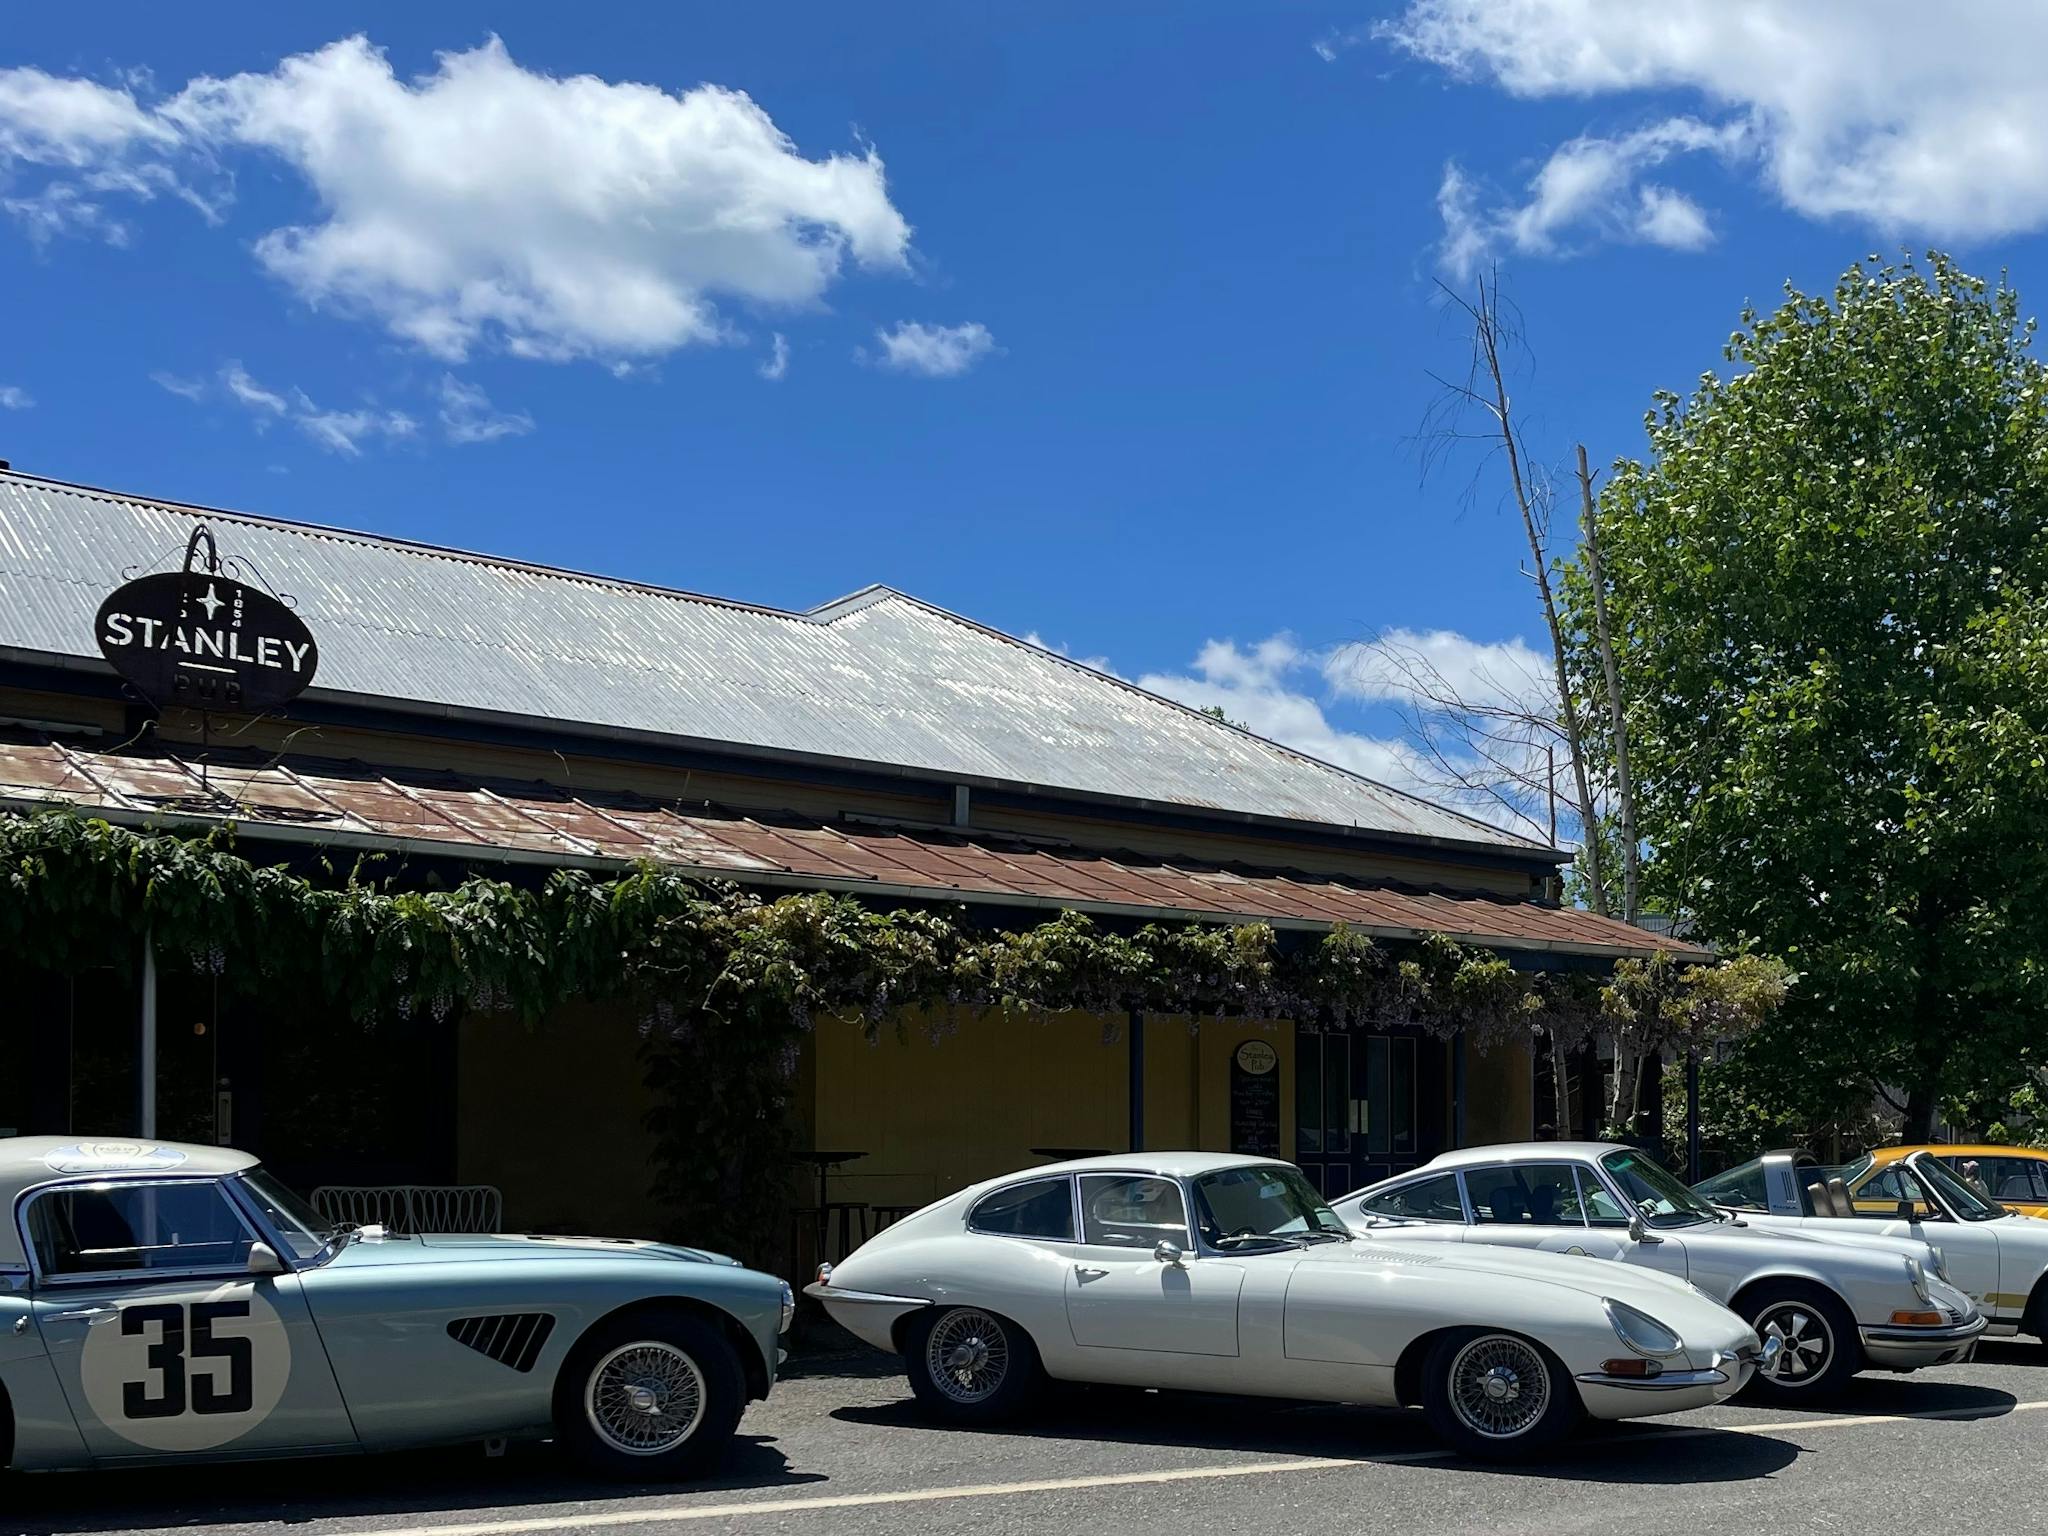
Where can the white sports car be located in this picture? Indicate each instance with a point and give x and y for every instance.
(1222, 1273)
(1998, 1257)
(1834, 1308)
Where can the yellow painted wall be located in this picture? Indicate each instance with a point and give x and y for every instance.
(1499, 1093)
(935, 1117)
(553, 1115)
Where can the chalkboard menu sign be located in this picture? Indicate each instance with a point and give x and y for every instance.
(1255, 1099)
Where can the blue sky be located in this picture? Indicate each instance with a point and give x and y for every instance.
(1108, 324)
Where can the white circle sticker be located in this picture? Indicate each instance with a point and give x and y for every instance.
(187, 1370)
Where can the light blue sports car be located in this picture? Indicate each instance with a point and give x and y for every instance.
(160, 1302)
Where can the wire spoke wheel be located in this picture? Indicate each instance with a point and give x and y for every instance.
(1806, 1343)
(645, 1398)
(1499, 1386)
(967, 1355)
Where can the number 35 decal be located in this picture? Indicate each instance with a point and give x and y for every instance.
(189, 1370)
(167, 1397)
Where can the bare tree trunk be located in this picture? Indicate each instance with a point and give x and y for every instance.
(1631, 888)
(1486, 337)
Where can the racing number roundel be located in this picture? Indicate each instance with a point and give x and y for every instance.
(187, 1370)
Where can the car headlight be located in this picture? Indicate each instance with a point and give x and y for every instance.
(1918, 1276)
(1640, 1331)
(1941, 1266)
(788, 1307)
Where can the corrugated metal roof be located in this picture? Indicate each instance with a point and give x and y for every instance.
(325, 801)
(878, 678)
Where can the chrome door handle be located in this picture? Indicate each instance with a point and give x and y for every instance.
(72, 1317)
(1089, 1272)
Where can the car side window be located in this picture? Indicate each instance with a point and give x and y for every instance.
(1042, 1208)
(1525, 1194)
(132, 1228)
(1431, 1199)
(2003, 1178)
(1601, 1208)
(1879, 1197)
(1132, 1211)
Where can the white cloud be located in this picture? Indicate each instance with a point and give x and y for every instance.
(1910, 116)
(467, 415)
(483, 203)
(935, 351)
(1487, 673)
(183, 388)
(343, 432)
(776, 364)
(1589, 189)
(14, 398)
(246, 390)
(1094, 663)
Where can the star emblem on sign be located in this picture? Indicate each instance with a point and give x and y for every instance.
(211, 603)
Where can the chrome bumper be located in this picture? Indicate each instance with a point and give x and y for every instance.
(1933, 1338)
(1745, 1359)
(820, 1292)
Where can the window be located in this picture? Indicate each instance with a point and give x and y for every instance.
(1431, 1199)
(1262, 1205)
(1041, 1208)
(1659, 1196)
(1602, 1209)
(1740, 1189)
(1532, 1194)
(1880, 1196)
(1132, 1211)
(127, 1228)
(2015, 1179)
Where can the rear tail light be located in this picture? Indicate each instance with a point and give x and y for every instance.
(824, 1274)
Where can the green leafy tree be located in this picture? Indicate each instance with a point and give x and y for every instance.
(1829, 590)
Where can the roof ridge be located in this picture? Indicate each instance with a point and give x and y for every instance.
(868, 596)
(418, 547)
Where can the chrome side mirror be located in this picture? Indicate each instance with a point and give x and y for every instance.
(1638, 1233)
(263, 1260)
(1167, 1253)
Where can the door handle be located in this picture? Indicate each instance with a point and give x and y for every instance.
(72, 1317)
(1089, 1272)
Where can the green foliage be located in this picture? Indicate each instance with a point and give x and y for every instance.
(725, 983)
(1830, 589)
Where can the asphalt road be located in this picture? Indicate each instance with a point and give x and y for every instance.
(841, 1451)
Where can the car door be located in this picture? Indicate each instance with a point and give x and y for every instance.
(1969, 1248)
(1122, 1297)
(164, 1340)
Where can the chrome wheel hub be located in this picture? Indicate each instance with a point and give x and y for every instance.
(1806, 1344)
(1500, 1387)
(645, 1398)
(967, 1355)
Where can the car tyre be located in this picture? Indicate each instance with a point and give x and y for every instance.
(1497, 1396)
(1819, 1345)
(970, 1366)
(654, 1395)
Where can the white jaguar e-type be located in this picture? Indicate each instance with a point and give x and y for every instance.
(1221, 1273)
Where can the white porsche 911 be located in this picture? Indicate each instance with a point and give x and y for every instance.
(1221, 1273)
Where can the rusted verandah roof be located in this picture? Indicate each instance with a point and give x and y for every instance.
(329, 802)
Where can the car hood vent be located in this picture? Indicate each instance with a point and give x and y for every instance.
(510, 1338)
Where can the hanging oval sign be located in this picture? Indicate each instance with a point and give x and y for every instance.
(207, 641)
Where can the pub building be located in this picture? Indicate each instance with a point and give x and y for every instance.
(450, 712)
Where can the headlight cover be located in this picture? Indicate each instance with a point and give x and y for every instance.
(788, 1307)
(1918, 1276)
(1642, 1332)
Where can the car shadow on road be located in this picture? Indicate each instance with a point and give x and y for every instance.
(1870, 1394)
(408, 1483)
(1597, 1453)
(2011, 1352)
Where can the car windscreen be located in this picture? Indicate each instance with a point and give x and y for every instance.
(1739, 1189)
(1659, 1194)
(1262, 1204)
(1953, 1192)
(297, 1224)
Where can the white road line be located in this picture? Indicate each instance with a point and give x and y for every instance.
(606, 1519)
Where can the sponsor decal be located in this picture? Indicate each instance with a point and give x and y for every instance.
(112, 1157)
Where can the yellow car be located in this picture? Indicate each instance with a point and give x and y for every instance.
(2015, 1177)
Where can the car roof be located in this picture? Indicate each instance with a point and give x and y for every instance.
(1520, 1152)
(26, 1161)
(1171, 1165)
(1956, 1149)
